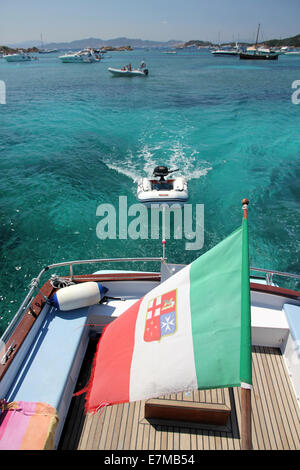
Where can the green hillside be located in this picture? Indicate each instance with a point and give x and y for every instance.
(292, 42)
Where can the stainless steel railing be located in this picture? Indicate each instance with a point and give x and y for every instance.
(36, 281)
(270, 273)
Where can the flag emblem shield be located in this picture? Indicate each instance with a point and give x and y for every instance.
(161, 318)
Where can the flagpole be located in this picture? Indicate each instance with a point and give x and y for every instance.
(245, 203)
(246, 441)
(164, 230)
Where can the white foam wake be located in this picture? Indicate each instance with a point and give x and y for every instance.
(141, 164)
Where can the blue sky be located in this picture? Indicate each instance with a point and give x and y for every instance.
(65, 20)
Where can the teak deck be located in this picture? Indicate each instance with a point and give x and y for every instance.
(275, 417)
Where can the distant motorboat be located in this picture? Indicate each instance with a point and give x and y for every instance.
(84, 56)
(17, 57)
(295, 52)
(128, 71)
(227, 51)
(47, 51)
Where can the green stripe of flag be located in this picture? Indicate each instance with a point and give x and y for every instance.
(246, 341)
(217, 292)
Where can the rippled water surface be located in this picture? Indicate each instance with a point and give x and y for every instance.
(73, 137)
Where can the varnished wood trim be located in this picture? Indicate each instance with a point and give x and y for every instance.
(19, 334)
(291, 294)
(116, 277)
(31, 314)
(207, 413)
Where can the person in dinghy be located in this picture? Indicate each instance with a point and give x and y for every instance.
(129, 71)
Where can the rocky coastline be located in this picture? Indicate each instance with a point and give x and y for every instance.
(10, 50)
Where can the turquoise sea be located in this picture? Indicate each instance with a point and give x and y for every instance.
(73, 137)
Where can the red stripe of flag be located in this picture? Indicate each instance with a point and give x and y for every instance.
(112, 362)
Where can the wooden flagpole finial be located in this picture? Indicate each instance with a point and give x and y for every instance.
(245, 203)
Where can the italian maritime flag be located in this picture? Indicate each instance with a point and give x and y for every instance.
(193, 331)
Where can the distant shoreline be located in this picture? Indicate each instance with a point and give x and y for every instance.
(10, 50)
(119, 44)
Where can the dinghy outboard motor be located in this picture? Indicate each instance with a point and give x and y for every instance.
(162, 171)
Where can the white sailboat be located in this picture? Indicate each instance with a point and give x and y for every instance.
(42, 50)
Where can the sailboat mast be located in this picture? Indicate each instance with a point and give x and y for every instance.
(257, 36)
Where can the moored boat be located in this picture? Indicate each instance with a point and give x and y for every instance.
(86, 56)
(47, 51)
(44, 348)
(258, 53)
(227, 51)
(292, 52)
(18, 57)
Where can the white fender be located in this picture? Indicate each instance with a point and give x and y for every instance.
(78, 296)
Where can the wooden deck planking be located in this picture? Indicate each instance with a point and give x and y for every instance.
(275, 418)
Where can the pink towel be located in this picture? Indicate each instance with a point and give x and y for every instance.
(27, 426)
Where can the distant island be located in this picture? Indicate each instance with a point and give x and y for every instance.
(96, 43)
(290, 42)
(127, 44)
(10, 50)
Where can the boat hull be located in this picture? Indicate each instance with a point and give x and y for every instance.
(174, 191)
(225, 53)
(163, 197)
(45, 351)
(246, 56)
(17, 58)
(76, 60)
(128, 73)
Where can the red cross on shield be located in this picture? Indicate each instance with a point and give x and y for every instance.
(157, 307)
